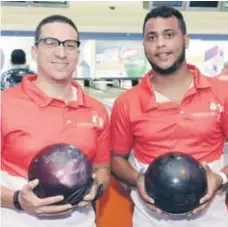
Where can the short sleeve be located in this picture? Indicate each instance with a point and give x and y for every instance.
(103, 139)
(121, 131)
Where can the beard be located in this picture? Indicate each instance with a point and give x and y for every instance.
(170, 70)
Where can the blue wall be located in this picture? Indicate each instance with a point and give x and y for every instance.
(116, 36)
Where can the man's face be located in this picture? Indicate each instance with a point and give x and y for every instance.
(164, 44)
(53, 61)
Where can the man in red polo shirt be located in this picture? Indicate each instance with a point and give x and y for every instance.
(44, 109)
(174, 108)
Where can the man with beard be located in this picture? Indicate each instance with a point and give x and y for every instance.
(173, 108)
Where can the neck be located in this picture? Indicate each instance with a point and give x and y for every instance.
(61, 90)
(177, 79)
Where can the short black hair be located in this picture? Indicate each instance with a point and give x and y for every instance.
(166, 12)
(18, 57)
(52, 19)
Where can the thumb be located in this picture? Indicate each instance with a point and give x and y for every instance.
(32, 184)
(205, 166)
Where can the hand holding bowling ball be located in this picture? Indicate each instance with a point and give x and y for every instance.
(63, 170)
(140, 183)
(34, 205)
(214, 182)
(176, 182)
(91, 195)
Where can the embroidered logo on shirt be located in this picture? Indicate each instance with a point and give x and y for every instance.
(214, 110)
(96, 122)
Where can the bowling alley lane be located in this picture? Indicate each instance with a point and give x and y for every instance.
(107, 96)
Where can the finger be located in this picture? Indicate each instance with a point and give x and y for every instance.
(83, 204)
(206, 198)
(201, 208)
(204, 164)
(92, 194)
(154, 208)
(147, 198)
(144, 195)
(206, 167)
(142, 191)
(58, 214)
(54, 209)
(31, 185)
(50, 200)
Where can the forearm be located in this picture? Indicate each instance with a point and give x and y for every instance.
(123, 171)
(102, 175)
(7, 197)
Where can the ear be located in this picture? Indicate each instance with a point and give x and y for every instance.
(34, 52)
(186, 40)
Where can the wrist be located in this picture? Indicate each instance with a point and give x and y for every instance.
(16, 202)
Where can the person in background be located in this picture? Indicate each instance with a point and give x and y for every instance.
(19, 68)
(173, 108)
(45, 109)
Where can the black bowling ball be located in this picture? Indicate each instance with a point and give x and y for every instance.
(176, 182)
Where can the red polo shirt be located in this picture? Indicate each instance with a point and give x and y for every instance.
(31, 121)
(198, 126)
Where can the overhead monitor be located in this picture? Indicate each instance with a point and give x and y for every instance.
(176, 4)
(50, 3)
(204, 5)
(36, 3)
(14, 3)
(152, 4)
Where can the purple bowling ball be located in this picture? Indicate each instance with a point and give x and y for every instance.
(62, 169)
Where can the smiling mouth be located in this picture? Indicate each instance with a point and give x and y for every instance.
(163, 56)
(59, 65)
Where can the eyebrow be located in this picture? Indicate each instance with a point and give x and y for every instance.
(154, 33)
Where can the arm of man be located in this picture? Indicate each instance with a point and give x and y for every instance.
(225, 123)
(6, 194)
(101, 164)
(7, 197)
(216, 180)
(121, 144)
(122, 170)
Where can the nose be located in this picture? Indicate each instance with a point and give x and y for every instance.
(160, 41)
(60, 51)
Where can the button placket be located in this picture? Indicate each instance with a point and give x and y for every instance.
(66, 115)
